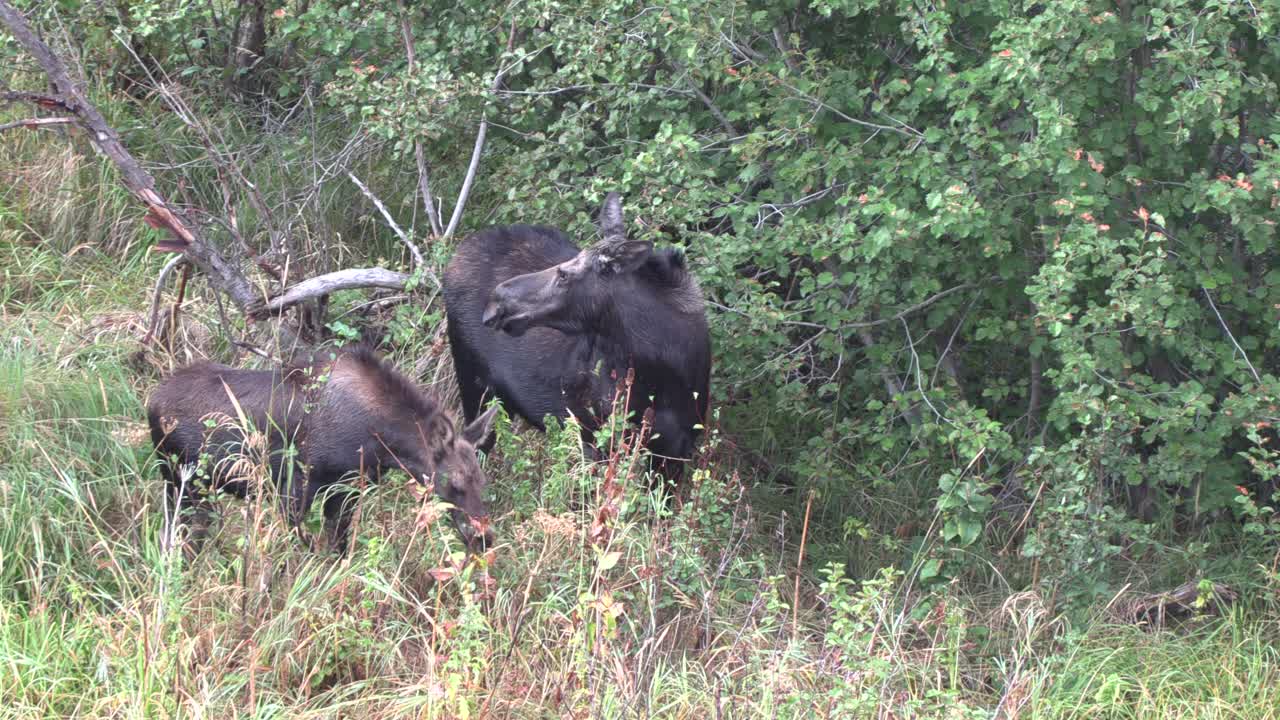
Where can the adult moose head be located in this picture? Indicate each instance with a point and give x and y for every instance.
(532, 318)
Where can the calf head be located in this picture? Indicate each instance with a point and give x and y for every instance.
(459, 479)
(575, 295)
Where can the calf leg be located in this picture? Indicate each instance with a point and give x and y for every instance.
(185, 500)
(339, 506)
(294, 493)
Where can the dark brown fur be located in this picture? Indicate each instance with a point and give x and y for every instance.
(531, 317)
(349, 414)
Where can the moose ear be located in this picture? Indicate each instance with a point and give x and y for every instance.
(480, 432)
(611, 227)
(440, 431)
(628, 255)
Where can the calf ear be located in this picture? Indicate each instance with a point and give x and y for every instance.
(440, 432)
(628, 255)
(480, 432)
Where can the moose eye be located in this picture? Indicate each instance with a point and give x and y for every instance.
(561, 276)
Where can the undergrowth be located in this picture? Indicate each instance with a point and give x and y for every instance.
(603, 599)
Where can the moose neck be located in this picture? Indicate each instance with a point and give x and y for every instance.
(629, 334)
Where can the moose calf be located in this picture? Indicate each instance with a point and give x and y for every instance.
(319, 424)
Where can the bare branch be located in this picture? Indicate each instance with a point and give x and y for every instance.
(708, 102)
(161, 279)
(470, 178)
(404, 237)
(891, 384)
(424, 186)
(51, 102)
(36, 123)
(896, 317)
(467, 182)
(1230, 337)
(329, 283)
(742, 50)
(906, 130)
(915, 362)
(785, 49)
(419, 156)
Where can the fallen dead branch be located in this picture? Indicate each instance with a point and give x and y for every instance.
(35, 123)
(1189, 599)
(329, 283)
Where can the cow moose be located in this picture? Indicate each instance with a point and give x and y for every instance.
(549, 328)
(349, 412)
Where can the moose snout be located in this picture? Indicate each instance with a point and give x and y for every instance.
(477, 535)
(492, 314)
(474, 529)
(505, 312)
(497, 307)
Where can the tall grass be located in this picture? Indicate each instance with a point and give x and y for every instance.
(661, 610)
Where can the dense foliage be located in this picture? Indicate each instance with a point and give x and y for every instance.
(1006, 266)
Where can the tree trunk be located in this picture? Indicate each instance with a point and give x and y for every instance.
(248, 46)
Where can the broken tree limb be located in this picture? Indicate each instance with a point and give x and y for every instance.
(187, 237)
(331, 282)
(1187, 600)
(37, 123)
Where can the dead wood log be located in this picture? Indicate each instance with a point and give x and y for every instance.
(322, 285)
(1186, 600)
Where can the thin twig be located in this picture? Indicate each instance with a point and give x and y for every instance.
(1230, 337)
(915, 360)
(404, 237)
